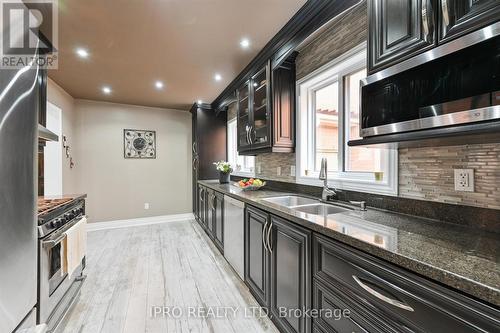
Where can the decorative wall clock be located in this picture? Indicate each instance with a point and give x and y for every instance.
(139, 143)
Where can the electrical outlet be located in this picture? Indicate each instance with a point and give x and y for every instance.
(464, 180)
(278, 171)
(146, 206)
(259, 169)
(292, 170)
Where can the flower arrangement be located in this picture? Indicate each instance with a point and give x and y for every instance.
(223, 167)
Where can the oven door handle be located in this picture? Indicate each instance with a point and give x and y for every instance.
(53, 242)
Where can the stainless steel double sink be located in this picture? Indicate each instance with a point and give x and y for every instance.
(307, 205)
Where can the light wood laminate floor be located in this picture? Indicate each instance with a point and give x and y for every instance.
(131, 270)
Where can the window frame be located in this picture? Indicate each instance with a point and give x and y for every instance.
(245, 172)
(336, 71)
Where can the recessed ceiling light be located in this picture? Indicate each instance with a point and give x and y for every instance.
(82, 53)
(200, 102)
(217, 77)
(245, 43)
(106, 90)
(159, 85)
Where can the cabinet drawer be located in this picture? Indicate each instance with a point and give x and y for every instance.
(336, 314)
(401, 298)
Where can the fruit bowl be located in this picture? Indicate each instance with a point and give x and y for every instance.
(250, 184)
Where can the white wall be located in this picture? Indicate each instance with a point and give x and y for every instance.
(61, 99)
(53, 182)
(118, 188)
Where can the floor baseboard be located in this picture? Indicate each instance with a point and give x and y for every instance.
(139, 222)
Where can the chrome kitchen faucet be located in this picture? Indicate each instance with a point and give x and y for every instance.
(327, 194)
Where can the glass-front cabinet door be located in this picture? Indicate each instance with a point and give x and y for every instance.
(260, 130)
(244, 121)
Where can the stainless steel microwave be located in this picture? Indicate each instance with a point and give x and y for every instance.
(453, 84)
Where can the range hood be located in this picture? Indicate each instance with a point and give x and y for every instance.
(45, 135)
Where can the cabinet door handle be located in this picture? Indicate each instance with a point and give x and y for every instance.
(250, 132)
(263, 236)
(381, 297)
(194, 147)
(426, 11)
(195, 160)
(246, 128)
(445, 9)
(268, 242)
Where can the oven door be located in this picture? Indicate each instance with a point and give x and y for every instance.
(53, 281)
(54, 249)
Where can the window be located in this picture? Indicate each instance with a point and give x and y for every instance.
(242, 165)
(327, 118)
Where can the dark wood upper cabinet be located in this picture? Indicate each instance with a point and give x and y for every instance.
(399, 29)
(244, 119)
(254, 113)
(458, 17)
(283, 79)
(266, 110)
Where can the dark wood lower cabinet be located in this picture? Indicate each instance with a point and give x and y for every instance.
(201, 207)
(218, 218)
(290, 273)
(210, 198)
(337, 314)
(210, 215)
(256, 255)
(385, 298)
(312, 283)
(277, 268)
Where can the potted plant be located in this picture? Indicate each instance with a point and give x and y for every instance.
(225, 170)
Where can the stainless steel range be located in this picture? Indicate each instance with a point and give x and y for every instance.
(57, 288)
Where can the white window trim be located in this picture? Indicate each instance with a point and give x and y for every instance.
(353, 181)
(235, 172)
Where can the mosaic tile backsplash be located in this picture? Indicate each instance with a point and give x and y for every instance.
(427, 174)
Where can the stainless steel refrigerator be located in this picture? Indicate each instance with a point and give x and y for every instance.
(19, 103)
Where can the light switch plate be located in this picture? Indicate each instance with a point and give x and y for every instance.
(292, 170)
(146, 206)
(278, 171)
(464, 180)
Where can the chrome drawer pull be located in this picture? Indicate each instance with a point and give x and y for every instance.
(382, 297)
(263, 237)
(268, 242)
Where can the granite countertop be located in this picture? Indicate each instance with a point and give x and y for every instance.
(459, 257)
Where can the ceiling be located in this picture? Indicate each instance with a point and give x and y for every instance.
(184, 43)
